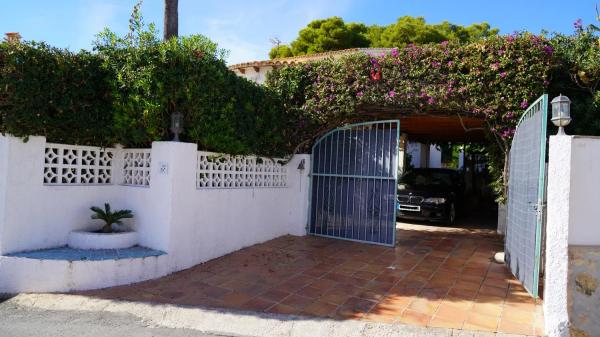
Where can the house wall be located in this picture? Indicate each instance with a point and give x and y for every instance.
(251, 74)
(171, 214)
(435, 156)
(572, 237)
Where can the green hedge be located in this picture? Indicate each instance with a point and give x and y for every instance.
(55, 93)
(125, 93)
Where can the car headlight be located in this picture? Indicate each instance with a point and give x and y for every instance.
(436, 201)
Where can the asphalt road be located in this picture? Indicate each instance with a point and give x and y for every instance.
(27, 322)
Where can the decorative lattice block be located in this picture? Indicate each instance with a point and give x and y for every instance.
(77, 165)
(216, 170)
(136, 167)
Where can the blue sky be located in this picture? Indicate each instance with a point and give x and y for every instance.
(245, 26)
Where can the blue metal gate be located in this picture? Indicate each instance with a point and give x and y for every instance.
(526, 195)
(354, 183)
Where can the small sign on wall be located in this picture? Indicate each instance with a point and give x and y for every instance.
(163, 168)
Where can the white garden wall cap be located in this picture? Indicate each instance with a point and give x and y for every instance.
(94, 240)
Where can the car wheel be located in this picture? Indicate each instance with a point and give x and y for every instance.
(452, 215)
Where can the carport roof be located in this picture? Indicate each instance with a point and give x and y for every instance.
(432, 126)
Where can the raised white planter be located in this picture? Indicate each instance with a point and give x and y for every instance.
(89, 240)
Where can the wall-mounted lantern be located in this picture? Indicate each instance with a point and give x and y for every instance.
(176, 125)
(561, 113)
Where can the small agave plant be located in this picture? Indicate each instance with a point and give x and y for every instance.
(109, 217)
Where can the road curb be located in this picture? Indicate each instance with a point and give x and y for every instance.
(237, 323)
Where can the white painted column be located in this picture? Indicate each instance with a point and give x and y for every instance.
(402, 148)
(172, 179)
(557, 237)
(3, 184)
(21, 181)
(435, 157)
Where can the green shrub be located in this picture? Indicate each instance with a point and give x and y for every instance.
(56, 93)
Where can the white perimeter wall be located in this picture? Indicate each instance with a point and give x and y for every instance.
(191, 225)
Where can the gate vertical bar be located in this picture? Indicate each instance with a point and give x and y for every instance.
(541, 194)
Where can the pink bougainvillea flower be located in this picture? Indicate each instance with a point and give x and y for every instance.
(444, 43)
(394, 52)
(359, 94)
(578, 24)
(392, 93)
(548, 49)
(375, 75)
(503, 74)
(431, 101)
(524, 104)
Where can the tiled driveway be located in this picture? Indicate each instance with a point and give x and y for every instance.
(440, 277)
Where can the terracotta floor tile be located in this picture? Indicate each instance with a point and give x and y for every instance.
(323, 284)
(393, 309)
(466, 285)
(511, 327)
(316, 272)
(356, 305)
(468, 294)
(297, 301)
(257, 304)
(477, 321)
(213, 292)
(380, 287)
(488, 290)
(450, 312)
(388, 278)
(400, 290)
(311, 292)
(489, 309)
(414, 318)
(235, 299)
(518, 316)
(424, 306)
(275, 295)
(322, 309)
(335, 297)
(440, 322)
(498, 283)
(365, 275)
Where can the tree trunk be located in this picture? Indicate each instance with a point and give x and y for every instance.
(107, 228)
(171, 20)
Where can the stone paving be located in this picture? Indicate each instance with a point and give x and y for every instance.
(435, 276)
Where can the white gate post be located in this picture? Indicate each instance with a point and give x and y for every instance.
(557, 237)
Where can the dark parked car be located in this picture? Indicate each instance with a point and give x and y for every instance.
(430, 194)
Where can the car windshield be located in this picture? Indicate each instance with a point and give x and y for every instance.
(427, 178)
